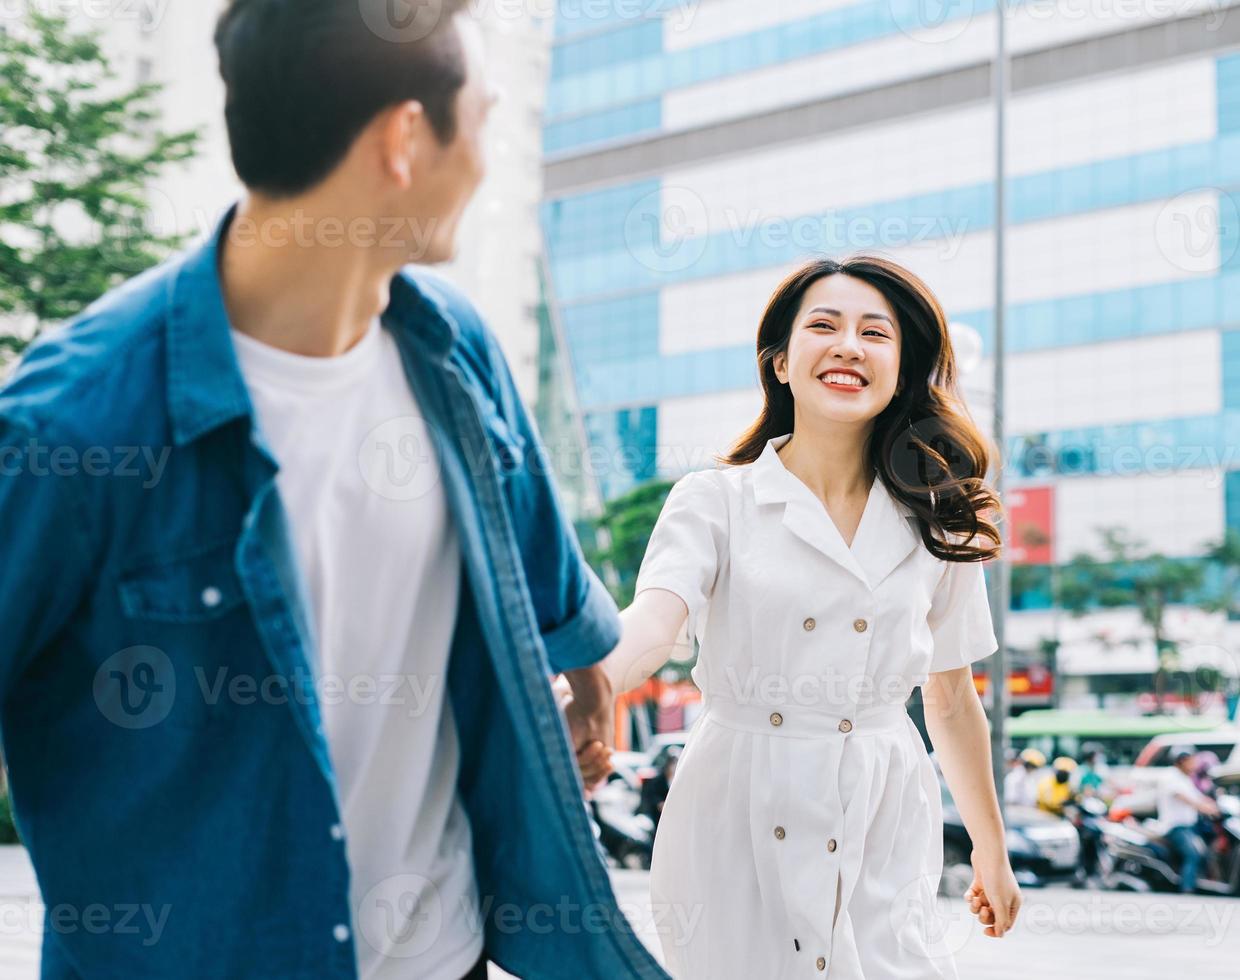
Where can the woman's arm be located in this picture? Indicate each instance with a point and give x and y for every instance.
(651, 635)
(649, 631)
(957, 726)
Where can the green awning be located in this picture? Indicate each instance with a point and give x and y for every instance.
(1102, 724)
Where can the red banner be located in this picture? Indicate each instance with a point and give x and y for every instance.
(1031, 517)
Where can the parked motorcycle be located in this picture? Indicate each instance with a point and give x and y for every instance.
(626, 836)
(1088, 814)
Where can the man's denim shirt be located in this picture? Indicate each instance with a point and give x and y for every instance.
(159, 706)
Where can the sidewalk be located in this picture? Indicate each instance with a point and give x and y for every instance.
(1065, 934)
(20, 916)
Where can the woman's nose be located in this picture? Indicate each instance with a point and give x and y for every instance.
(847, 345)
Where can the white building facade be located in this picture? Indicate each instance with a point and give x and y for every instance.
(697, 151)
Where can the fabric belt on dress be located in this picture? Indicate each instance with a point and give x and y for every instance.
(805, 721)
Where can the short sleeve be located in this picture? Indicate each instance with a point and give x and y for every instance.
(687, 545)
(959, 617)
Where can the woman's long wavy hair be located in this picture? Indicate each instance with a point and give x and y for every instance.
(924, 445)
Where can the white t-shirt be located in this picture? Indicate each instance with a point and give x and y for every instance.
(381, 562)
(1172, 811)
(1020, 787)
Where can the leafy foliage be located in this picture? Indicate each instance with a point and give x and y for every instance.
(79, 154)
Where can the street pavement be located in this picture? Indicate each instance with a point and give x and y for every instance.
(1061, 934)
(1064, 934)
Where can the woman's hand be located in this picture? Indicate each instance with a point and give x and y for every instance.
(589, 707)
(994, 896)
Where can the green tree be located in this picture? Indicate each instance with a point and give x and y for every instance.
(1225, 554)
(79, 152)
(1128, 574)
(623, 530)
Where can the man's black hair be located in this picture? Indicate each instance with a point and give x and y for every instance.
(303, 78)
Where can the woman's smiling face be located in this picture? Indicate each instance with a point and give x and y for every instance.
(843, 357)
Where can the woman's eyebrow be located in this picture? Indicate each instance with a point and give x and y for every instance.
(864, 316)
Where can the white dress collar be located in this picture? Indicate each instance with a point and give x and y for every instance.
(888, 531)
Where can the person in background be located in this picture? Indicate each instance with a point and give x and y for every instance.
(1055, 788)
(1180, 803)
(1020, 787)
(1203, 762)
(1013, 771)
(1090, 777)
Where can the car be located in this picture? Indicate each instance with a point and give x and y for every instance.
(1223, 742)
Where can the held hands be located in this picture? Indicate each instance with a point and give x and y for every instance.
(589, 709)
(994, 896)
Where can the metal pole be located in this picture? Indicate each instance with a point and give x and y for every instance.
(1001, 571)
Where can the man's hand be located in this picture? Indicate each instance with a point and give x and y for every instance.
(590, 709)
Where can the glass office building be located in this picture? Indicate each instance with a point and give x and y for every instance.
(697, 150)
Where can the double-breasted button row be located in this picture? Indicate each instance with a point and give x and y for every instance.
(832, 844)
(860, 625)
(777, 719)
(780, 834)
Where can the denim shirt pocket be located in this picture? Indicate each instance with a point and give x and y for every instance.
(186, 617)
(194, 588)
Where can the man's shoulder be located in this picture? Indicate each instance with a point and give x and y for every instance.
(451, 300)
(476, 348)
(80, 377)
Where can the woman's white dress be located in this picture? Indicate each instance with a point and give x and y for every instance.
(804, 782)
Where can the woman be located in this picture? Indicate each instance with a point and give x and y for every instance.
(830, 566)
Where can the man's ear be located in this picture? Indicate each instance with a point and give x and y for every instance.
(401, 130)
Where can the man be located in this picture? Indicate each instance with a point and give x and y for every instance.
(1090, 778)
(1179, 802)
(1020, 785)
(276, 695)
(1055, 788)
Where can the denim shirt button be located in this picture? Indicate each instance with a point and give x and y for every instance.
(211, 597)
(337, 832)
(341, 933)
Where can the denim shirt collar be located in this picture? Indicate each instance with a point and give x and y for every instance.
(205, 386)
